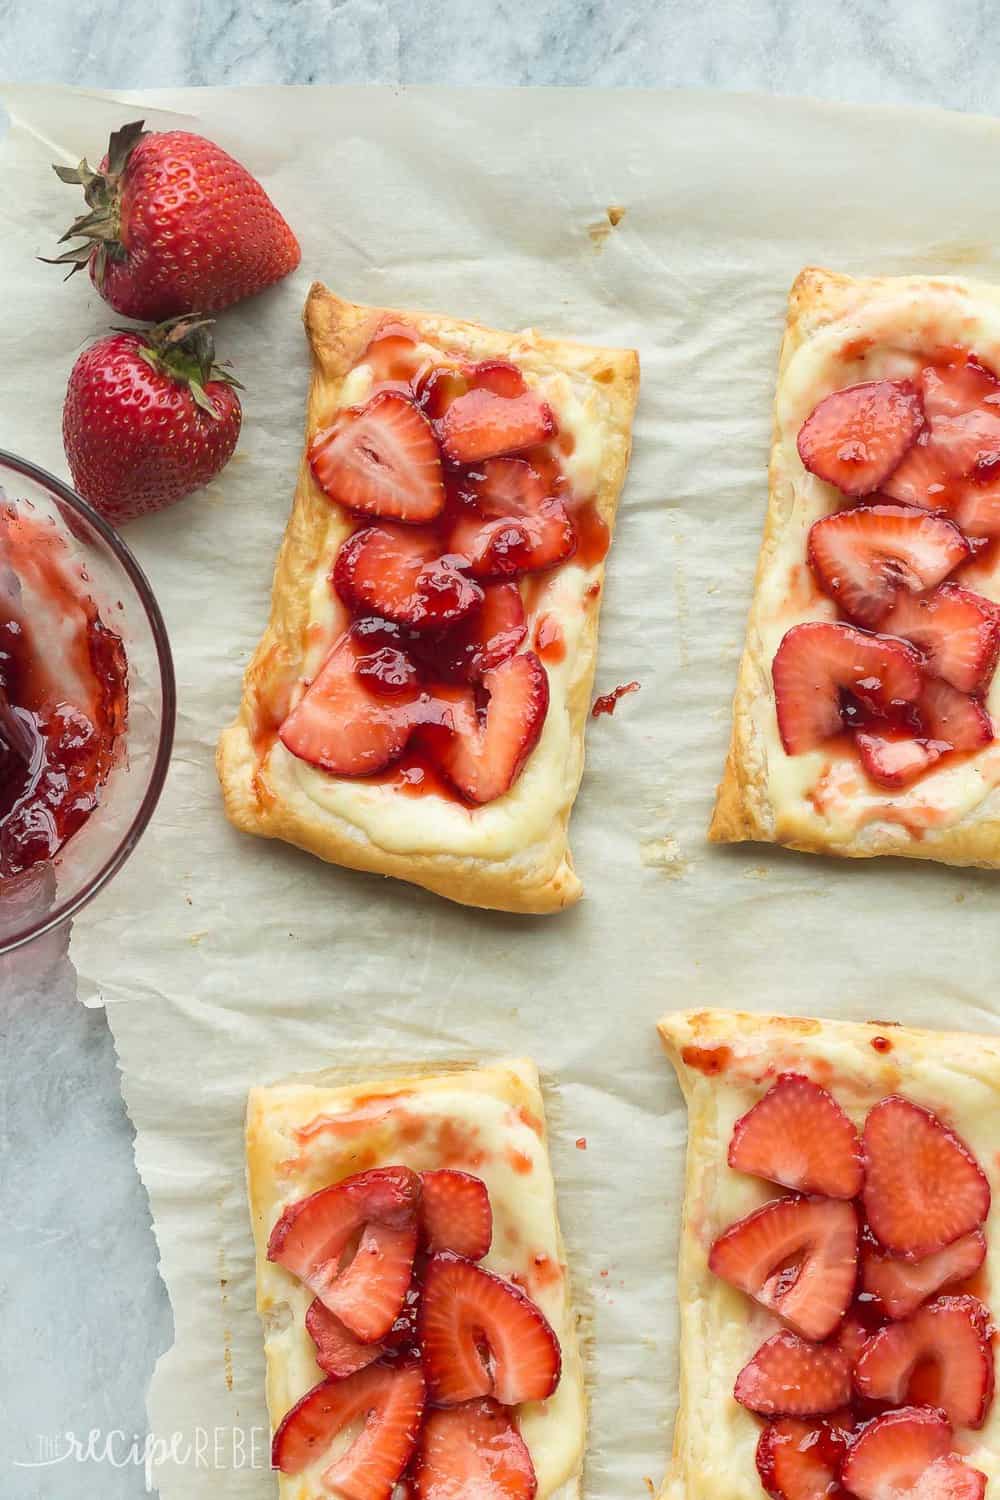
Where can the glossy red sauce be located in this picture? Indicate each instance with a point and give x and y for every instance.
(581, 1143)
(398, 364)
(608, 702)
(550, 643)
(708, 1060)
(66, 673)
(881, 1044)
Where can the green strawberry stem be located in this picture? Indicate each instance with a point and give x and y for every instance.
(183, 348)
(101, 225)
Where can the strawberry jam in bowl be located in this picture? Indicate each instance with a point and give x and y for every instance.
(86, 702)
(884, 646)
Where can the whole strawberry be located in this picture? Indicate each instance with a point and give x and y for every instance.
(148, 418)
(174, 223)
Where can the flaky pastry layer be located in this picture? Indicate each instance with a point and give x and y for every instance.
(841, 331)
(308, 1134)
(512, 854)
(725, 1062)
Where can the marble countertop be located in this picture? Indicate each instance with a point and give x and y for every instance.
(85, 1311)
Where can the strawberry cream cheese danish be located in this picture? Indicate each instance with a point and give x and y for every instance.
(412, 1282)
(837, 1260)
(865, 718)
(417, 704)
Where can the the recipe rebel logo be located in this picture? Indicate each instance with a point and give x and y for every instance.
(205, 1448)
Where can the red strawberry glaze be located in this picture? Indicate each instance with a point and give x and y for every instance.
(432, 678)
(75, 714)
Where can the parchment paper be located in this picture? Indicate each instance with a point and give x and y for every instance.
(229, 962)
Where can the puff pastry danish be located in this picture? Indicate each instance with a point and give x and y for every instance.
(417, 704)
(465, 1153)
(865, 714)
(906, 1127)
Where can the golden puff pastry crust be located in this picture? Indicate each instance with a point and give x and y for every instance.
(311, 1132)
(842, 330)
(512, 854)
(725, 1061)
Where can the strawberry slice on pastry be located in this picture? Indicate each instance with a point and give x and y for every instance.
(942, 1356)
(473, 1450)
(791, 1377)
(823, 671)
(385, 1403)
(509, 523)
(799, 1136)
(455, 1213)
(482, 424)
(855, 438)
(481, 1336)
(312, 1239)
(493, 739)
(400, 574)
(796, 1256)
(381, 459)
(923, 1186)
(865, 557)
(906, 1455)
(900, 1286)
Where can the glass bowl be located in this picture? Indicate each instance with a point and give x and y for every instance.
(50, 892)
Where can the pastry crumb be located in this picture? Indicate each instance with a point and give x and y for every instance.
(664, 854)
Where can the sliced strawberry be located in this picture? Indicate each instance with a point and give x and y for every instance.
(941, 1356)
(798, 1135)
(455, 1213)
(482, 1336)
(490, 744)
(908, 1453)
(952, 389)
(799, 1460)
(381, 459)
(400, 574)
(865, 557)
(314, 1234)
(438, 387)
(900, 1286)
(338, 1352)
(957, 630)
(819, 662)
(952, 717)
(923, 1186)
(473, 1452)
(797, 1256)
(340, 725)
(791, 1377)
(976, 508)
(920, 479)
(511, 525)
(855, 437)
(894, 759)
(954, 463)
(482, 425)
(387, 1399)
(487, 636)
(498, 376)
(403, 1337)
(852, 1336)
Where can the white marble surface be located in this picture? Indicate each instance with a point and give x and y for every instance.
(85, 1315)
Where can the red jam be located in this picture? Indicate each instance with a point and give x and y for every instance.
(708, 1060)
(421, 652)
(881, 1044)
(608, 702)
(65, 673)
